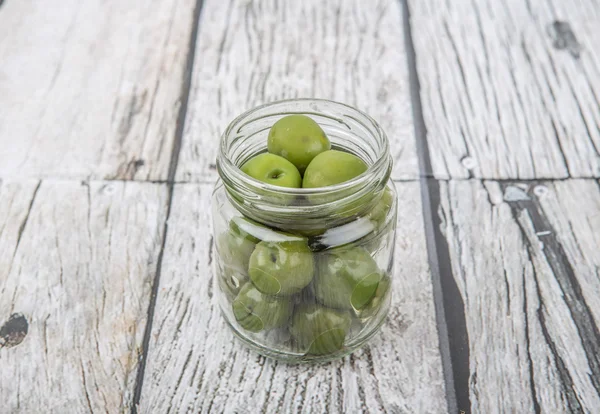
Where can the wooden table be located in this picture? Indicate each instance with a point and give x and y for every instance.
(110, 114)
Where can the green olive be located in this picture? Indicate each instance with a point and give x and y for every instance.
(381, 217)
(382, 295)
(230, 282)
(332, 167)
(347, 278)
(234, 250)
(318, 330)
(281, 268)
(297, 138)
(256, 312)
(382, 208)
(273, 169)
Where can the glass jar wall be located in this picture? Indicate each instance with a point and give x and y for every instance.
(304, 274)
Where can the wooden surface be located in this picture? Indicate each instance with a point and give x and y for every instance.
(91, 88)
(493, 114)
(76, 266)
(253, 52)
(525, 260)
(196, 365)
(510, 88)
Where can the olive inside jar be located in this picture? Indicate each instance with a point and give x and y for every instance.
(304, 274)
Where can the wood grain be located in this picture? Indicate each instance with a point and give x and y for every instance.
(76, 266)
(525, 259)
(196, 365)
(254, 52)
(91, 88)
(510, 89)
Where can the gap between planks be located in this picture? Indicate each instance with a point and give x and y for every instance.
(186, 84)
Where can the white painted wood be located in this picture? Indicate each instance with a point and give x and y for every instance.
(504, 94)
(80, 273)
(573, 208)
(196, 365)
(532, 324)
(15, 200)
(91, 88)
(254, 52)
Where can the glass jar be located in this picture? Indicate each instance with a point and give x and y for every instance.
(304, 274)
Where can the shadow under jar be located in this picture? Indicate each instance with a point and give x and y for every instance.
(304, 275)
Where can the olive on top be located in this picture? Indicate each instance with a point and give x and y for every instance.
(332, 167)
(300, 156)
(297, 138)
(273, 169)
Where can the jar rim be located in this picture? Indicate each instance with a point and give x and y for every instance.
(230, 173)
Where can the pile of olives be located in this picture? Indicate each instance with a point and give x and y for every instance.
(274, 279)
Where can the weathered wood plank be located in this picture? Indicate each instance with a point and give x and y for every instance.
(76, 267)
(91, 88)
(253, 52)
(196, 365)
(525, 259)
(510, 89)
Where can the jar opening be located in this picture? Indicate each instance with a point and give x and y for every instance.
(347, 128)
